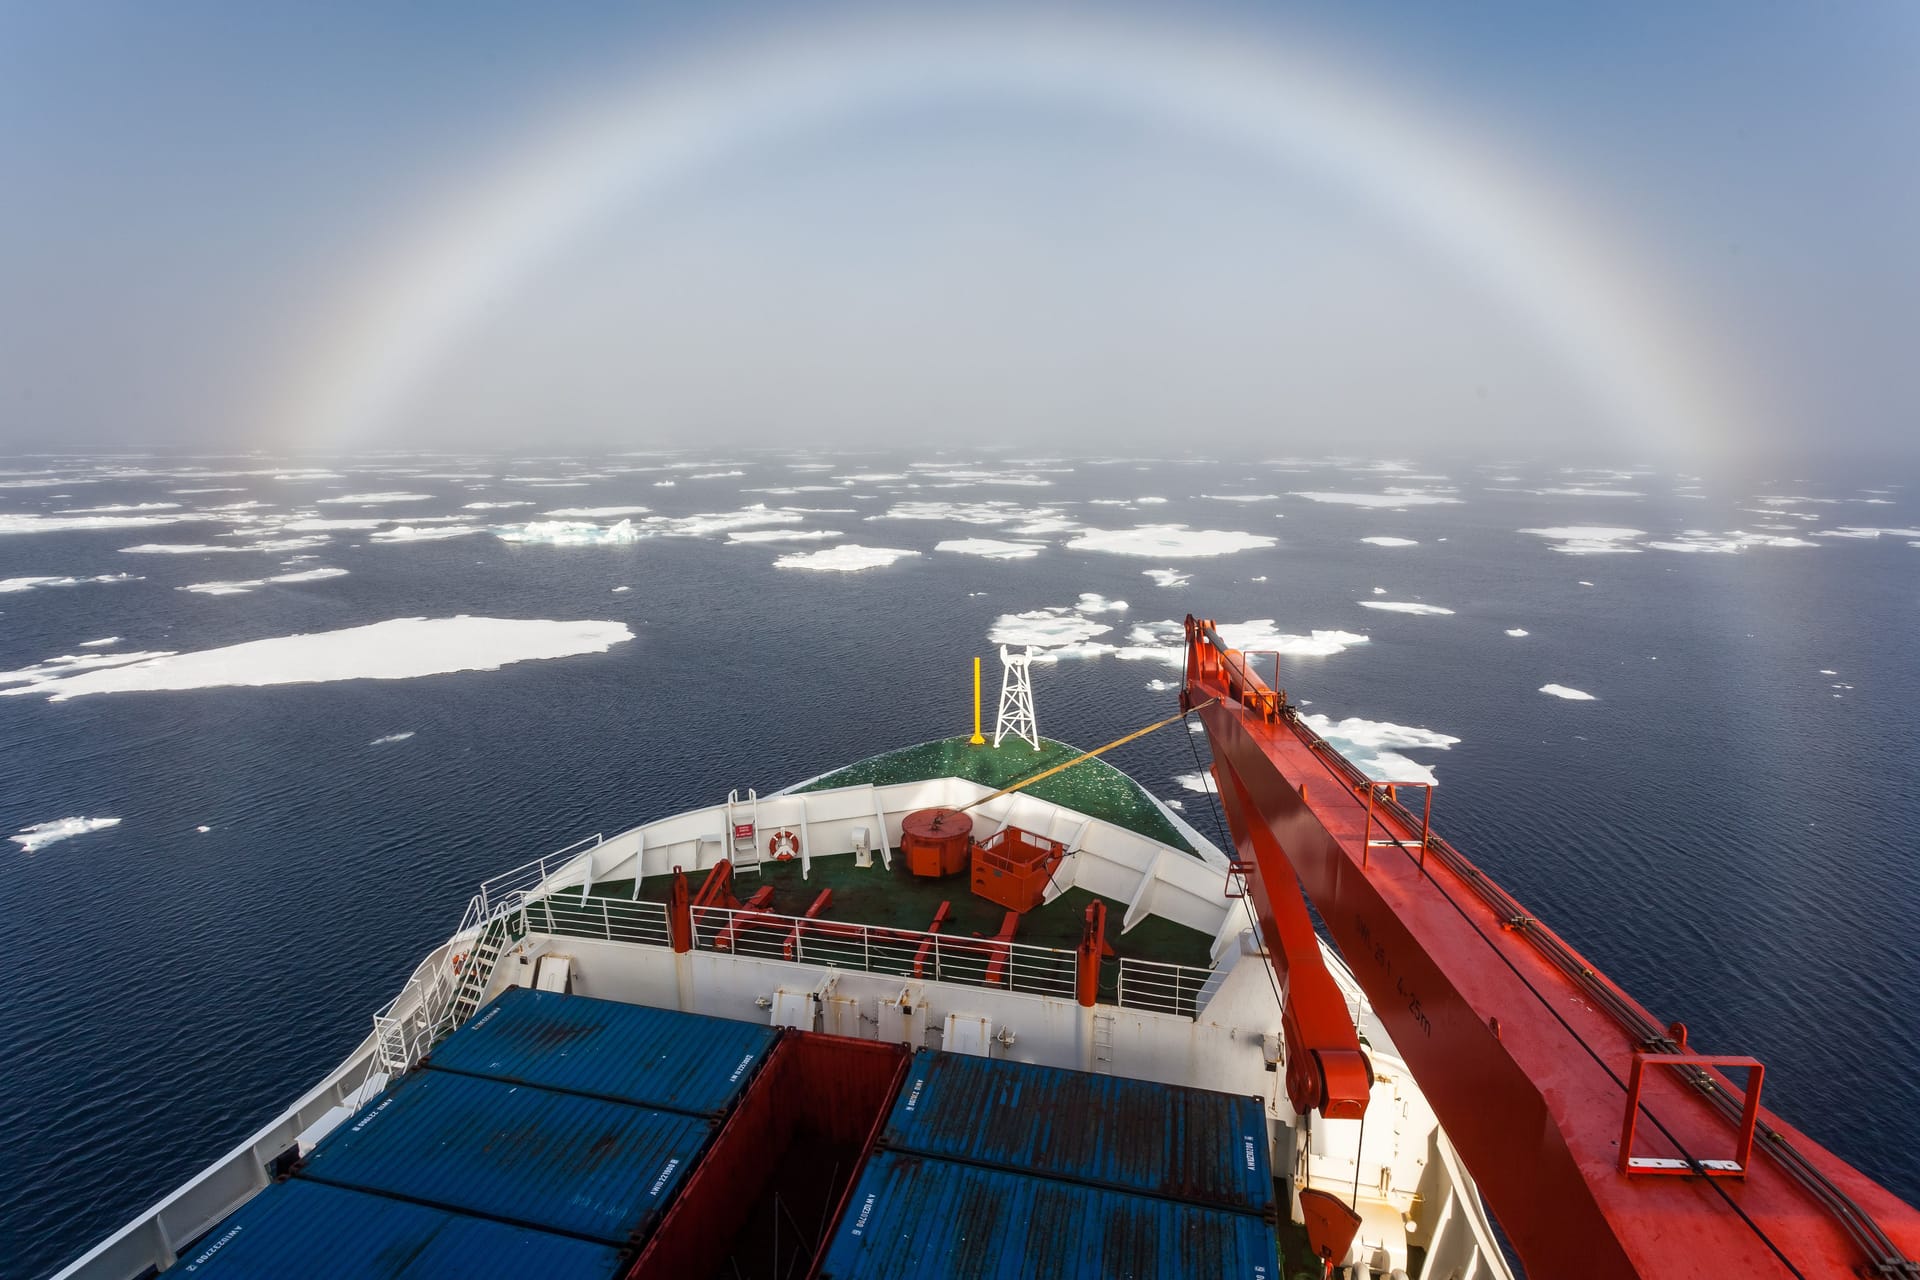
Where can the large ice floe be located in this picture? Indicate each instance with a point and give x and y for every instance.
(991, 548)
(242, 587)
(41, 834)
(1590, 539)
(1168, 541)
(26, 523)
(398, 649)
(1404, 606)
(425, 533)
(1391, 499)
(8, 585)
(751, 536)
(1381, 541)
(370, 499)
(848, 557)
(1374, 746)
(1700, 541)
(1567, 692)
(585, 513)
(569, 533)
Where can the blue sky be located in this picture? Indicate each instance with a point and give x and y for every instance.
(202, 200)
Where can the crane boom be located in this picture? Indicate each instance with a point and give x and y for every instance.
(1603, 1143)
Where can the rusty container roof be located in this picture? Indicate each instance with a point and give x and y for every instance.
(1164, 1140)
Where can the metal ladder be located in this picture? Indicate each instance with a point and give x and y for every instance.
(743, 838)
(1103, 1044)
(477, 971)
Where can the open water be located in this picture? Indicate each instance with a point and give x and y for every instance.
(1726, 827)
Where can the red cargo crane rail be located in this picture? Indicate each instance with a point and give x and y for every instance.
(1567, 1100)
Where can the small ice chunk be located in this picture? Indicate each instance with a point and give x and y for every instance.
(392, 737)
(369, 499)
(203, 830)
(1168, 577)
(1383, 541)
(1392, 498)
(1567, 692)
(107, 640)
(1403, 606)
(1516, 632)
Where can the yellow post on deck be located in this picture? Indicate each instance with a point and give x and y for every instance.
(976, 740)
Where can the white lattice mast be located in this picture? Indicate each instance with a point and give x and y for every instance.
(1016, 699)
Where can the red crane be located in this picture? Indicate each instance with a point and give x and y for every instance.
(1604, 1144)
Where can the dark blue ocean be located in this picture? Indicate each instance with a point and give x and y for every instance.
(1724, 828)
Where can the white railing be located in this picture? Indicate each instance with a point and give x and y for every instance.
(1160, 987)
(499, 892)
(614, 919)
(1010, 966)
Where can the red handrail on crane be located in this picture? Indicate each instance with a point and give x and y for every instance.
(1524, 1049)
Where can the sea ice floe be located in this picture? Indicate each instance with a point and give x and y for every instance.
(41, 834)
(1150, 502)
(782, 535)
(1588, 491)
(712, 522)
(391, 737)
(1854, 531)
(1516, 632)
(102, 641)
(1168, 577)
(1700, 541)
(1374, 746)
(1090, 602)
(399, 649)
(716, 475)
(121, 508)
(1564, 691)
(1162, 686)
(324, 524)
(848, 557)
(67, 524)
(240, 588)
(1390, 542)
(996, 511)
(1589, 539)
(1392, 498)
(431, 533)
(1170, 541)
(496, 506)
(587, 513)
(1055, 628)
(1242, 497)
(991, 548)
(1403, 606)
(368, 499)
(28, 584)
(1197, 782)
(569, 533)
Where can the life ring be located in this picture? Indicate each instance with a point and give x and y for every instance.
(784, 846)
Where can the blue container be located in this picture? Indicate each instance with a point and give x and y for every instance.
(1130, 1135)
(653, 1057)
(911, 1218)
(554, 1161)
(300, 1230)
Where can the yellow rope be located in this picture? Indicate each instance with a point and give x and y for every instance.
(1117, 742)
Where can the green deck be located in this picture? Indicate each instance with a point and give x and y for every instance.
(897, 899)
(1093, 787)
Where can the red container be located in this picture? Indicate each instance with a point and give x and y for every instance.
(935, 841)
(1012, 868)
(765, 1199)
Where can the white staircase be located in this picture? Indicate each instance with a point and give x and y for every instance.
(476, 971)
